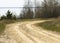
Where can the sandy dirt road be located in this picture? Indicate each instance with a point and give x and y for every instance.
(26, 32)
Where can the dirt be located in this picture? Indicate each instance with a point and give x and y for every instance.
(26, 32)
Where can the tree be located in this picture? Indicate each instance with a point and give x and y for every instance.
(9, 15)
(50, 8)
(38, 11)
(21, 16)
(27, 12)
(14, 17)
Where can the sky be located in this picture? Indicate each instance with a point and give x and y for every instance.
(12, 3)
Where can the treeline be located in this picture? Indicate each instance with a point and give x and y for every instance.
(48, 9)
(51, 8)
(9, 15)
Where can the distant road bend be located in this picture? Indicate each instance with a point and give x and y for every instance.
(26, 32)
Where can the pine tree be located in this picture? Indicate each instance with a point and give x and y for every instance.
(9, 15)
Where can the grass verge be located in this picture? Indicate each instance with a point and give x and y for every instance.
(2, 27)
(51, 25)
(3, 24)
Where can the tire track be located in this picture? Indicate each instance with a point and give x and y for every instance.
(14, 33)
(29, 35)
(36, 34)
(26, 32)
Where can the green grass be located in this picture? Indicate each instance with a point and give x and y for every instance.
(3, 24)
(51, 25)
(2, 27)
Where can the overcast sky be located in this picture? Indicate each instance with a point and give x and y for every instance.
(12, 3)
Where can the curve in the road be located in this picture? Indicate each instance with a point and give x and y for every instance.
(26, 32)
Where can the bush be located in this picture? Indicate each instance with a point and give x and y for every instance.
(3, 17)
